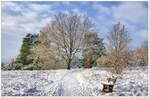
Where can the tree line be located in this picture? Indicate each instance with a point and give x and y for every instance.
(71, 40)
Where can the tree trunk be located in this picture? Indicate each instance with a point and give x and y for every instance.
(69, 64)
(68, 67)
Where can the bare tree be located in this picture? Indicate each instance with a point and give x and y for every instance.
(118, 44)
(43, 52)
(66, 32)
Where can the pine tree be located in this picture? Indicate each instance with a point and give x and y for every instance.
(94, 48)
(26, 55)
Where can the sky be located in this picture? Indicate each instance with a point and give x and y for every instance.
(20, 18)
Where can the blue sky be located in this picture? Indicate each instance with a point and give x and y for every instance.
(20, 18)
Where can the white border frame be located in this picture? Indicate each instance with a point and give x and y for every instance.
(87, 96)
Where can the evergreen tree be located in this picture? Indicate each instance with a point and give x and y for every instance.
(94, 48)
(26, 55)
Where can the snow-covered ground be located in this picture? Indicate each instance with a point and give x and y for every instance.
(74, 82)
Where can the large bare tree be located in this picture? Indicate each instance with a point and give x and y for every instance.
(118, 41)
(66, 32)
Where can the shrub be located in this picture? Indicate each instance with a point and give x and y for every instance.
(114, 64)
(77, 64)
(5, 67)
(16, 66)
(33, 67)
(140, 57)
(104, 61)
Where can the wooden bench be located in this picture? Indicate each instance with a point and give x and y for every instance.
(108, 87)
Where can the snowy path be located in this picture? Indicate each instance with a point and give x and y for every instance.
(75, 82)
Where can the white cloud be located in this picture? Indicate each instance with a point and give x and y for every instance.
(132, 12)
(102, 9)
(76, 11)
(136, 22)
(39, 7)
(27, 19)
(133, 15)
(11, 6)
(29, 16)
(79, 12)
(104, 16)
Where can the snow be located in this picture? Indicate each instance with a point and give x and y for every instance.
(74, 82)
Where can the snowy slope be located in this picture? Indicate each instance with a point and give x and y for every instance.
(75, 82)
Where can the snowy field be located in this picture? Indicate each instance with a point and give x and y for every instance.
(75, 82)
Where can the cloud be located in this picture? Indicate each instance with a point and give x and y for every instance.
(39, 7)
(79, 12)
(129, 12)
(10, 5)
(104, 15)
(76, 11)
(26, 21)
(102, 9)
(18, 19)
(134, 15)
